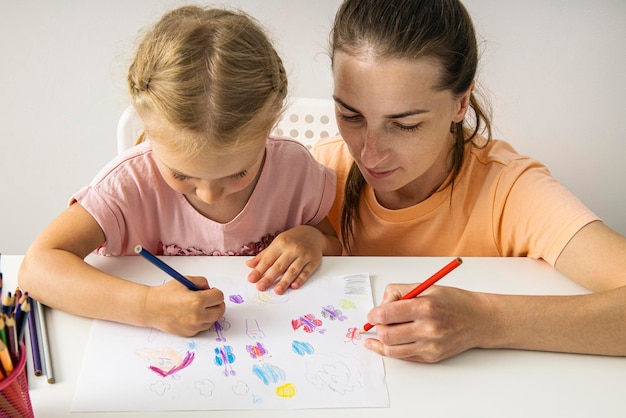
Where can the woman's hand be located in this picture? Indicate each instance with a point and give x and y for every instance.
(440, 323)
(174, 309)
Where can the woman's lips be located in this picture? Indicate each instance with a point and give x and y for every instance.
(380, 174)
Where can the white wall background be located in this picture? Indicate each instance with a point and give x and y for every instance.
(552, 69)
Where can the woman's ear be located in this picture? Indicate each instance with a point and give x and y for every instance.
(463, 104)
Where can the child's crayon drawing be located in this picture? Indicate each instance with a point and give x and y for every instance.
(299, 350)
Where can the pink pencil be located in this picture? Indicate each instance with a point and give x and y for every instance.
(425, 285)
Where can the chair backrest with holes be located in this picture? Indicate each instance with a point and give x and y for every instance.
(129, 127)
(306, 120)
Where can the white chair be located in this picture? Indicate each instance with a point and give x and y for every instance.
(306, 120)
(129, 127)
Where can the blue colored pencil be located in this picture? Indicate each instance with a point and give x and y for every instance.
(34, 342)
(167, 269)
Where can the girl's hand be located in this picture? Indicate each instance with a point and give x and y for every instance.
(295, 254)
(174, 309)
(440, 323)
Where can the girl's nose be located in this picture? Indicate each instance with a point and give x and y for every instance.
(209, 194)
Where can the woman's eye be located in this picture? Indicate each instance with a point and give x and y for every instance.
(349, 118)
(408, 128)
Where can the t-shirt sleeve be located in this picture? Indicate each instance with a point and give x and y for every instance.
(539, 215)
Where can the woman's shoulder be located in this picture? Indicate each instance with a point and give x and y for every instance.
(499, 153)
(333, 153)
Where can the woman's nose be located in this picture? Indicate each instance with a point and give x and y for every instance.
(373, 151)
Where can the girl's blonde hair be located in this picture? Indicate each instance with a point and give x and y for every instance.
(212, 74)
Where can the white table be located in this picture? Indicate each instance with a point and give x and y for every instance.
(478, 383)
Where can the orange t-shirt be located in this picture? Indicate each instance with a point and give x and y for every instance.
(503, 204)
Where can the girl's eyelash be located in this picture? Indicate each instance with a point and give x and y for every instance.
(179, 176)
(240, 174)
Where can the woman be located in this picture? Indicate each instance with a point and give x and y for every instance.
(416, 177)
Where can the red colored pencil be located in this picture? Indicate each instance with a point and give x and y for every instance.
(425, 285)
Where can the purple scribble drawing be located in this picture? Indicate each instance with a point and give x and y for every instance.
(257, 351)
(354, 334)
(255, 333)
(236, 299)
(308, 323)
(219, 327)
(224, 356)
(301, 348)
(183, 364)
(329, 311)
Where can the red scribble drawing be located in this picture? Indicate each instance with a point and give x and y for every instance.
(354, 334)
(224, 356)
(308, 323)
(329, 311)
(257, 351)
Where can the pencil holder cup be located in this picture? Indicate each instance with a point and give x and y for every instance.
(14, 395)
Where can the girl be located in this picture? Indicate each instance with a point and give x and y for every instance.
(415, 177)
(209, 87)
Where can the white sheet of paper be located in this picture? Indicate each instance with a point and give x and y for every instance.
(299, 350)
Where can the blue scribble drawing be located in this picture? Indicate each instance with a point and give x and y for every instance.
(268, 373)
(224, 357)
(301, 348)
(255, 333)
(330, 312)
(219, 327)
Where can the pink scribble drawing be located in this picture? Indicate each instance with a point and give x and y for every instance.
(169, 362)
(354, 334)
(257, 351)
(224, 356)
(308, 323)
(330, 312)
(219, 327)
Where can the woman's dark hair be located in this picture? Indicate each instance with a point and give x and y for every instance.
(413, 29)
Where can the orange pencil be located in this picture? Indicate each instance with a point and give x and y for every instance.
(5, 359)
(425, 285)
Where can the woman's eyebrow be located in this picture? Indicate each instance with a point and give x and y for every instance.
(407, 113)
(392, 116)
